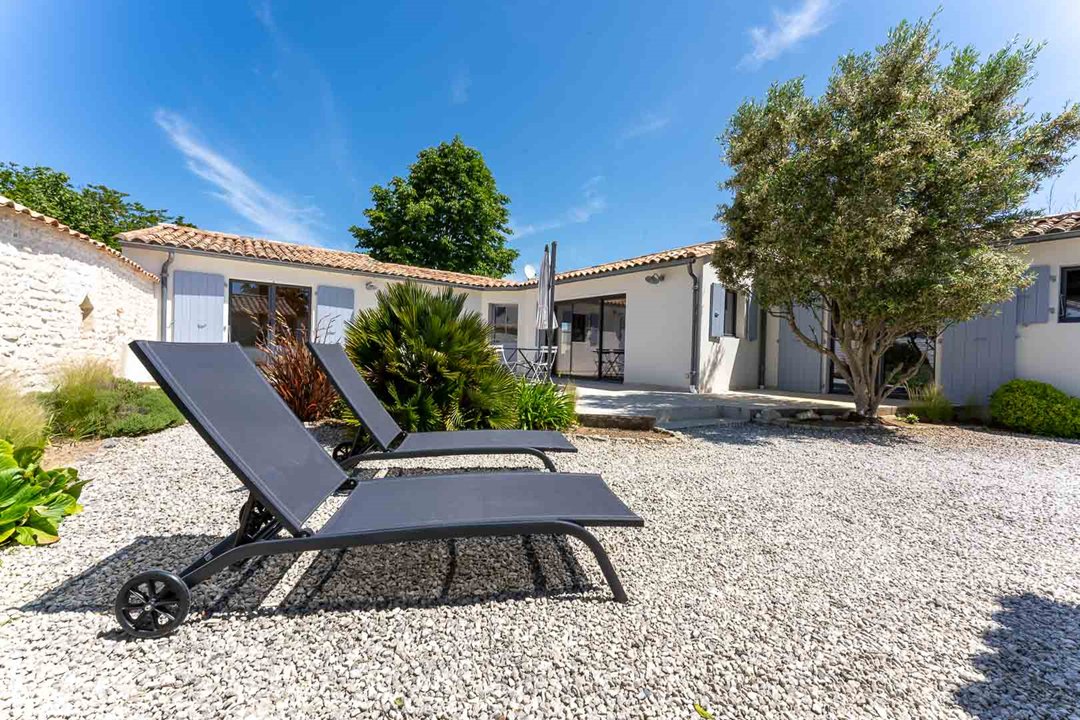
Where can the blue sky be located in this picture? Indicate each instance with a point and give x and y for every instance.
(599, 119)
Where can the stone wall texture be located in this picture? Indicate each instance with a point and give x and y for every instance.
(46, 278)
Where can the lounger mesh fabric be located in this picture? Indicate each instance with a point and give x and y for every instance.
(446, 500)
(243, 419)
(357, 394)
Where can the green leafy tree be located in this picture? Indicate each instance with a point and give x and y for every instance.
(885, 205)
(447, 214)
(95, 210)
(430, 361)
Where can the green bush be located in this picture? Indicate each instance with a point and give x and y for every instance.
(1036, 407)
(23, 421)
(545, 406)
(930, 403)
(430, 362)
(89, 402)
(33, 500)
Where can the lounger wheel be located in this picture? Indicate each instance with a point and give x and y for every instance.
(152, 604)
(342, 452)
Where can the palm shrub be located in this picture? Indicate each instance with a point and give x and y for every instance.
(1036, 407)
(545, 406)
(290, 368)
(33, 500)
(430, 362)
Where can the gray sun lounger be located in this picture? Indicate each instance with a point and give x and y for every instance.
(288, 476)
(389, 441)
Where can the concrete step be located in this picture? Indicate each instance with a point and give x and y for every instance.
(698, 423)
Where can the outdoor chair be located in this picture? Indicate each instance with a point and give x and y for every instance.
(288, 476)
(385, 440)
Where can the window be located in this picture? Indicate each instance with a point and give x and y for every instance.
(1069, 303)
(504, 324)
(257, 309)
(730, 308)
(577, 327)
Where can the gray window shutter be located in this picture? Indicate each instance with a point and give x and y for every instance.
(334, 307)
(753, 318)
(198, 307)
(1033, 302)
(716, 310)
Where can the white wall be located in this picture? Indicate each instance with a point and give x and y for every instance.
(727, 363)
(525, 299)
(657, 347)
(240, 269)
(45, 274)
(1050, 351)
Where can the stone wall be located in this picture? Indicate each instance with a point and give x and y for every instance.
(63, 298)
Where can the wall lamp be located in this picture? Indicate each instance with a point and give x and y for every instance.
(654, 278)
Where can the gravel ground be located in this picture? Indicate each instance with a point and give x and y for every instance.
(783, 573)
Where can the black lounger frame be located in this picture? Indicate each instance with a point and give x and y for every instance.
(261, 520)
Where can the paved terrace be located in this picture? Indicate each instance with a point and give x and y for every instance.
(680, 409)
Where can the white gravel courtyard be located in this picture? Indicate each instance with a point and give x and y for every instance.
(782, 573)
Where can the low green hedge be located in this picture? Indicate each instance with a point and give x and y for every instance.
(1036, 407)
(89, 402)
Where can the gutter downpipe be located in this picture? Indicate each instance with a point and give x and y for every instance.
(163, 311)
(695, 325)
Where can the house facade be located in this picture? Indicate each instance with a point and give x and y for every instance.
(658, 320)
(64, 296)
(1035, 335)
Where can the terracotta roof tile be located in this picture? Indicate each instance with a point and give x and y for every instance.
(1044, 228)
(22, 209)
(682, 253)
(176, 236)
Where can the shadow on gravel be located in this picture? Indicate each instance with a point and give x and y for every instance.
(448, 572)
(416, 574)
(753, 434)
(1033, 667)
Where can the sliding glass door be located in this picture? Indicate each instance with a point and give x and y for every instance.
(591, 338)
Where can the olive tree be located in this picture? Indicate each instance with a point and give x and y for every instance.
(886, 205)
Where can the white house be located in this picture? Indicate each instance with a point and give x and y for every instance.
(660, 320)
(1036, 335)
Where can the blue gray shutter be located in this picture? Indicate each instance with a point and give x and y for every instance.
(799, 366)
(198, 307)
(717, 298)
(979, 355)
(753, 317)
(334, 307)
(1033, 302)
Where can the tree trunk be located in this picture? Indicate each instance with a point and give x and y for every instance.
(862, 363)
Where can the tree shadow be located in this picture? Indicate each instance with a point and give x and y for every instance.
(756, 434)
(412, 574)
(1032, 669)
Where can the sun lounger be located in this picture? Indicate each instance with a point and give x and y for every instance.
(288, 476)
(388, 441)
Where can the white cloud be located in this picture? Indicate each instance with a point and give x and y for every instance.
(298, 71)
(647, 124)
(459, 86)
(787, 29)
(593, 203)
(274, 215)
